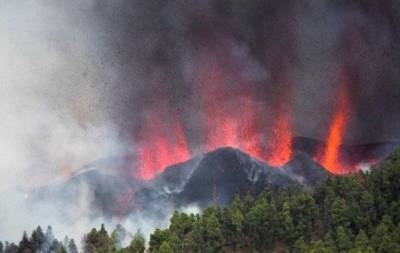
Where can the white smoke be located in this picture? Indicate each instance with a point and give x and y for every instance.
(54, 109)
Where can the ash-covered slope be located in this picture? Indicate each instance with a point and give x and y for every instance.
(103, 186)
(215, 177)
(225, 172)
(303, 169)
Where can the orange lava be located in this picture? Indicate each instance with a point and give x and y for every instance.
(330, 158)
(229, 115)
(280, 146)
(164, 145)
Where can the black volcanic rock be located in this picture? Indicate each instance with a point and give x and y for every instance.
(305, 170)
(225, 172)
(174, 177)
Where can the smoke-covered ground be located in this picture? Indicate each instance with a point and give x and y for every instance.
(85, 80)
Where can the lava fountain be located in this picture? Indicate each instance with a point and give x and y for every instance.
(163, 144)
(280, 146)
(229, 114)
(330, 157)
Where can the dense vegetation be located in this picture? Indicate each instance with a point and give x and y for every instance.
(354, 213)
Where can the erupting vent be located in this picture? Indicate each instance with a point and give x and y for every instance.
(237, 122)
(225, 110)
(281, 144)
(329, 158)
(163, 145)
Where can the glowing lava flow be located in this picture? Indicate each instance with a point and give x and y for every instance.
(280, 147)
(165, 145)
(330, 158)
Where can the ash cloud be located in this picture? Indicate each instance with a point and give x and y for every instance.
(274, 46)
(78, 78)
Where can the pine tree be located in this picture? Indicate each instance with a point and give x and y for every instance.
(37, 239)
(384, 228)
(157, 238)
(165, 248)
(388, 245)
(343, 240)
(10, 248)
(232, 224)
(248, 202)
(287, 228)
(72, 247)
(48, 239)
(300, 246)
(368, 217)
(329, 242)
(181, 224)
(25, 245)
(211, 232)
(318, 247)
(56, 247)
(340, 213)
(137, 244)
(361, 242)
(97, 241)
(119, 235)
(304, 212)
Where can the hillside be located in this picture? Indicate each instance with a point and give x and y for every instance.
(353, 213)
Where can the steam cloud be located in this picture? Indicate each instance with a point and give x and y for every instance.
(78, 78)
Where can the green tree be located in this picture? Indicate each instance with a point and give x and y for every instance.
(37, 239)
(165, 248)
(287, 229)
(72, 247)
(362, 242)
(232, 224)
(340, 213)
(119, 235)
(384, 228)
(305, 212)
(329, 242)
(248, 202)
(97, 241)
(25, 245)
(318, 247)
(212, 239)
(260, 224)
(181, 224)
(56, 247)
(157, 238)
(368, 217)
(388, 245)
(300, 246)
(343, 239)
(137, 244)
(10, 248)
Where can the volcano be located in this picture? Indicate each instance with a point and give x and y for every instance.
(221, 174)
(214, 177)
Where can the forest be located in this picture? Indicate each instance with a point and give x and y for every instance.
(356, 213)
